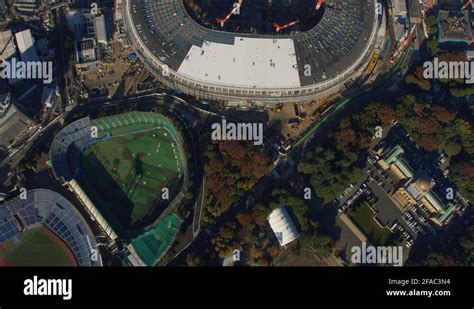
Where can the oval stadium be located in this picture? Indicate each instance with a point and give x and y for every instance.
(42, 228)
(210, 58)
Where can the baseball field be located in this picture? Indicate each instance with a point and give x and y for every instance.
(36, 247)
(130, 168)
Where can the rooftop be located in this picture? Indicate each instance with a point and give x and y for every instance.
(26, 46)
(7, 45)
(455, 27)
(283, 226)
(249, 62)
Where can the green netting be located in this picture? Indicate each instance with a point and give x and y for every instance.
(152, 245)
(138, 121)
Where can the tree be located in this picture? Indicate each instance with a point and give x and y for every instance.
(273, 250)
(193, 260)
(452, 148)
(255, 253)
(424, 84)
(443, 115)
(386, 114)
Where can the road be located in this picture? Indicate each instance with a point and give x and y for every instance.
(415, 11)
(62, 75)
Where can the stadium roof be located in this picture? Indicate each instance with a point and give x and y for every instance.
(283, 226)
(249, 62)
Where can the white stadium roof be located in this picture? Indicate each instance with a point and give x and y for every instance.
(250, 62)
(284, 228)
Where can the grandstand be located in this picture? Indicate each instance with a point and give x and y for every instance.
(49, 209)
(256, 16)
(118, 173)
(240, 66)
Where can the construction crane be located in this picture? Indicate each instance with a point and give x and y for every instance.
(279, 27)
(319, 3)
(467, 4)
(403, 45)
(234, 11)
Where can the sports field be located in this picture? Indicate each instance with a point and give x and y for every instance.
(37, 247)
(129, 167)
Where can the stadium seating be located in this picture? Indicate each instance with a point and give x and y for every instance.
(49, 208)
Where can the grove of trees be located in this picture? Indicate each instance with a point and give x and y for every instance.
(231, 169)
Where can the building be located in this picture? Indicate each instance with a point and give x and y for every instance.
(13, 123)
(26, 8)
(400, 17)
(283, 226)
(8, 51)
(26, 46)
(86, 50)
(4, 15)
(455, 28)
(87, 53)
(395, 162)
(100, 28)
(414, 189)
(48, 97)
(119, 31)
(7, 45)
(91, 37)
(118, 16)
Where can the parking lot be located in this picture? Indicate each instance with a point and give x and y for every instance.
(378, 186)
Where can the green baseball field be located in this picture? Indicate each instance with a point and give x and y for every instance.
(36, 247)
(130, 167)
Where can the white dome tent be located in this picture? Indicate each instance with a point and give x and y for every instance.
(283, 226)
